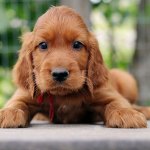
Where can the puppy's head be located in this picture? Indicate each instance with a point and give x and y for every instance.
(60, 55)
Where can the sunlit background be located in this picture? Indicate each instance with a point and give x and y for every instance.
(114, 22)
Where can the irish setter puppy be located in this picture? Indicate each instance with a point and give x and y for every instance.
(60, 72)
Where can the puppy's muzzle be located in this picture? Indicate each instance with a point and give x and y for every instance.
(60, 74)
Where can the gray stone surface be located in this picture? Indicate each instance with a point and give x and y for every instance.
(44, 136)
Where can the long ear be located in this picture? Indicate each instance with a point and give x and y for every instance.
(97, 72)
(22, 72)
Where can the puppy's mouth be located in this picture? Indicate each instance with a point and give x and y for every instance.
(62, 89)
(61, 83)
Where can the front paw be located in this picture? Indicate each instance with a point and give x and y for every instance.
(12, 118)
(125, 118)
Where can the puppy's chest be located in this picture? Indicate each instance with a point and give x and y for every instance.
(65, 109)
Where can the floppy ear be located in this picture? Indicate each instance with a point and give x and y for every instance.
(22, 72)
(97, 72)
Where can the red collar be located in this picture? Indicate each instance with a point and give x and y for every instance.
(40, 100)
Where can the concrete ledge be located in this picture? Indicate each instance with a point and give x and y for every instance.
(44, 136)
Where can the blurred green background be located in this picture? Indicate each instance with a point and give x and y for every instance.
(114, 23)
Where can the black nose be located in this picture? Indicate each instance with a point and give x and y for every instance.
(60, 74)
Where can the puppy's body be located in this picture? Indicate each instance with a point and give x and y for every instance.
(61, 59)
(125, 84)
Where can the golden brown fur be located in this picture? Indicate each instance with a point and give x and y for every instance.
(125, 84)
(91, 92)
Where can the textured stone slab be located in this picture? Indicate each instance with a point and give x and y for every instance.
(44, 136)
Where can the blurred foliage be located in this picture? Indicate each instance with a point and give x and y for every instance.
(6, 85)
(117, 11)
(116, 14)
(16, 17)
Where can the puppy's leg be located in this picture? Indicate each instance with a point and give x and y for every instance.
(17, 111)
(123, 117)
(143, 109)
(118, 112)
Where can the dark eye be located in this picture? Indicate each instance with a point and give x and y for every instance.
(77, 45)
(43, 46)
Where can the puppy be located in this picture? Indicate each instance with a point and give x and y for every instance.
(60, 73)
